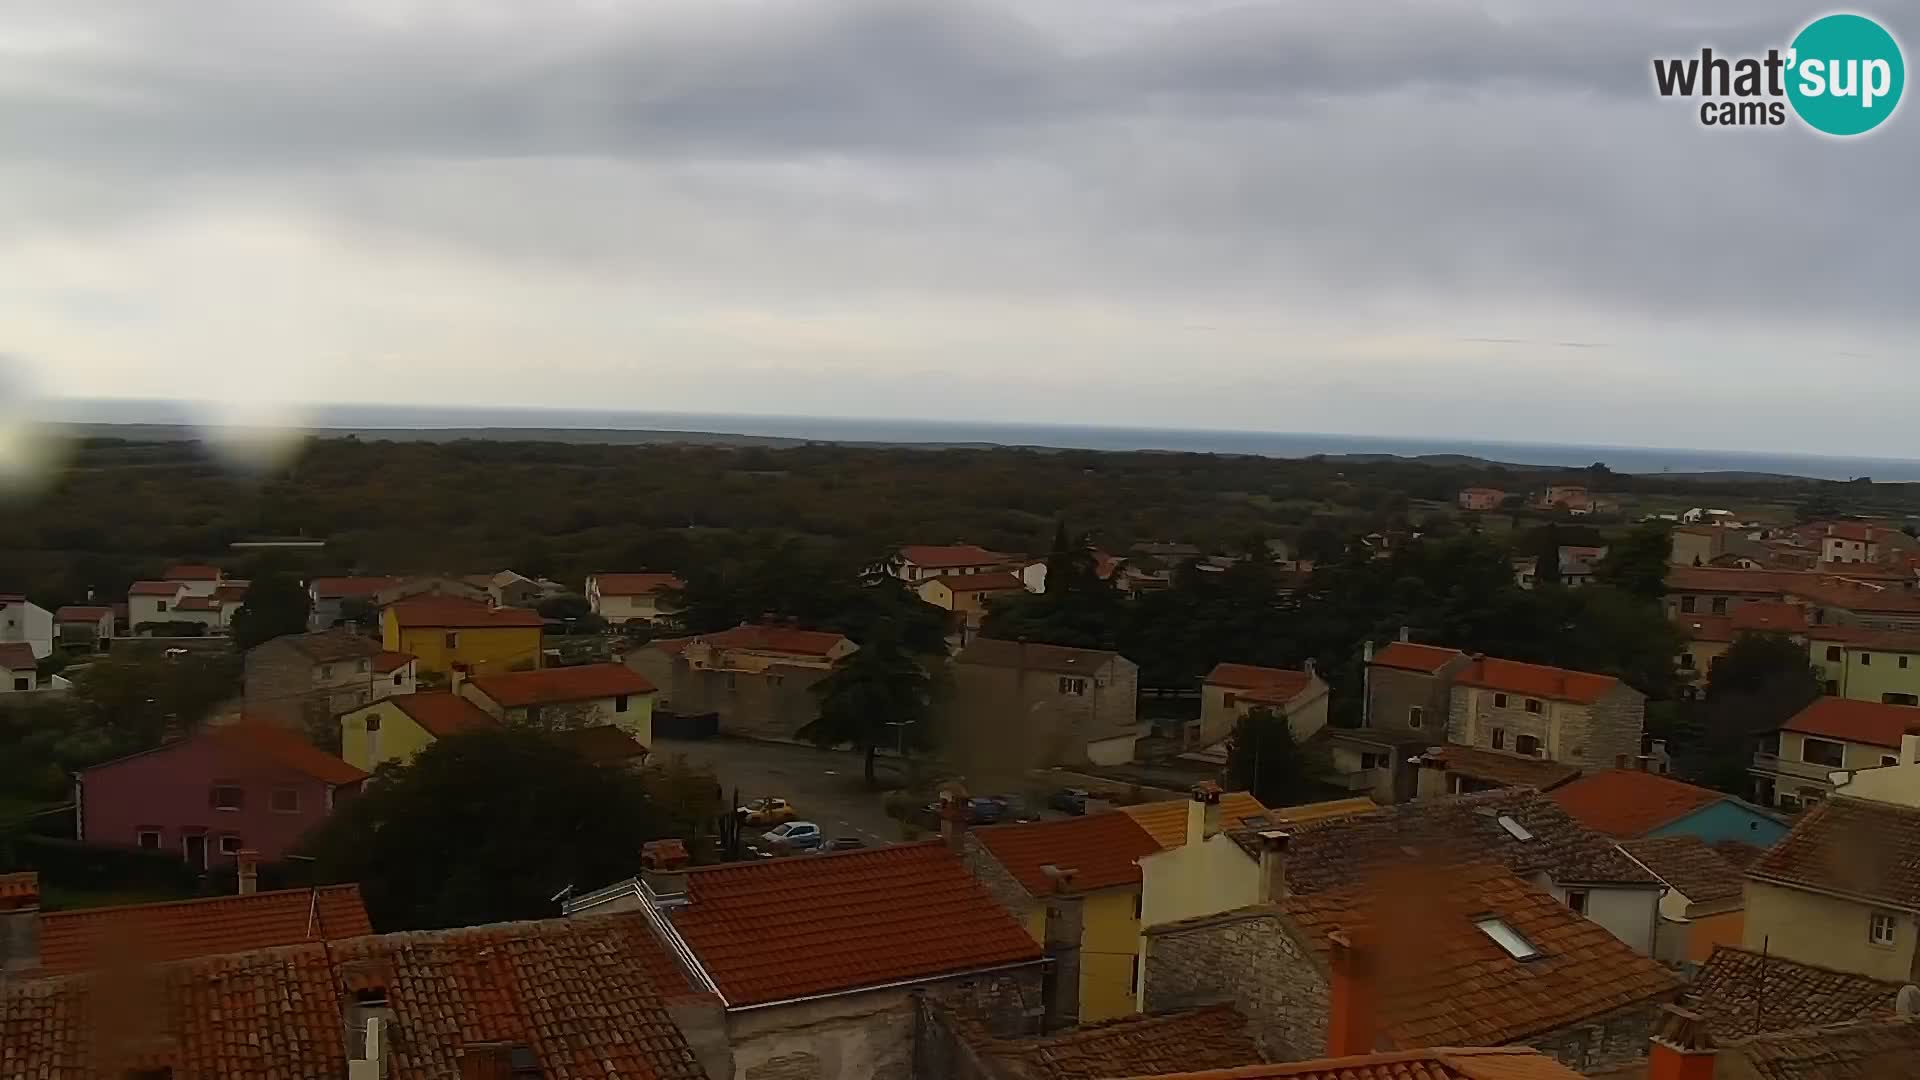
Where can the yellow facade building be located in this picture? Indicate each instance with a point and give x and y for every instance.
(447, 634)
(1837, 893)
(397, 728)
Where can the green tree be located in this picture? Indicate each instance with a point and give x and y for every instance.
(882, 695)
(1263, 757)
(1070, 564)
(1637, 562)
(276, 605)
(1760, 682)
(532, 818)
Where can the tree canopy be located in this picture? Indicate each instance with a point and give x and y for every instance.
(881, 695)
(276, 605)
(1264, 758)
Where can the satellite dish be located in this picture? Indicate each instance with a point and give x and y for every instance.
(1907, 1001)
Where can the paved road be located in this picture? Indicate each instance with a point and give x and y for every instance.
(825, 786)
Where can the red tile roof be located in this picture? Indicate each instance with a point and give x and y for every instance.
(155, 588)
(233, 592)
(1868, 722)
(1864, 571)
(276, 744)
(1536, 680)
(1770, 616)
(1850, 530)
(1165, 820)
(19, 890)
(935, 556)
(154, 933)
(198, 603)
(1440, 1063)
(1694, 869)
(18, 656)
(192, 572)
(579, 994)
(455, 613)
(1504, 769)
(1854, 847)
(779, 639)
(442, 712)
(387, 661)
(1725, 579)
(1872, 640)
(1741, 993)
(1275, 686)
(340, 588)
(1427, 658)
(328, 646)
(788, 928)
(997, 581)
(642, 584)
(1100, 848)
(561, 685)
(1213, 1037)
(82, 613)
(1625, 803)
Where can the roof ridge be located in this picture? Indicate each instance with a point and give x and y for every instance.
(1776, 958)
(75, 913)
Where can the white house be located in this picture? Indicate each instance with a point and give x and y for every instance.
(24, 621)
(197, 580)
(20, 671)
(621, 598)
(84, 623)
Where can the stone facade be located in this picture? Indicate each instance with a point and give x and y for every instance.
(1246, 958)
(1011, 719)
(1393, 694)
(1601, 1042)
(771, 704)
(288, 687)
(1592, 737)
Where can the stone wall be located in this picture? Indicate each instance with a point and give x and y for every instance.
(999, 882)
(1391, 693)
(1604, 1041)
(771, 704)
(1246, 958)
(1004, 721)
(1619, 719)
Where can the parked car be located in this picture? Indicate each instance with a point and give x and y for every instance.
(768, 811)
(794, 835)
(1014, 808)
(982, 810)
(1069, 801)
(840, 843)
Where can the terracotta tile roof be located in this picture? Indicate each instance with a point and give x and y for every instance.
(1869, 1050)
(935, 556)
(1445, 982)
(1741, 993)
(1869, 722)
(1476, 1063)
(1507, 770)
(19, 890)
(993, 582)
(787, 928)
(388, 662)
(1214, 1037)
(670, 646)
(90, 938)
(1628, 802)
(1101, 848)
(991, 652)
(1460, 828)
(576, 993)
(1769, 616)
(1861, 637)
(197, 603)
(1739, 853)
(1411, 657)
(1690, 865)
(155, 588)
(232, 592)
(192, 572)
(603, 744)
(274, 743)
(328, 646)
(1536, 680)
(757, 637)
(641, 584)
(1858, 848)
(82, 613)
(1165, 820)
(1723, 579)
(1850, 530)
(455, 613)
(1864, 571)
(561, 685)
(17, 656)
(1263, 684)
(441, 712)
(340, 588)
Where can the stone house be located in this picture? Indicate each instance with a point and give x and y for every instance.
(625, 598)
(966, 597)
(1842, 890)
(1019, 705)
(758, 678)
(564, 698)
(1230, 691)
(1794, 766)
(305, 680)
(328, 594)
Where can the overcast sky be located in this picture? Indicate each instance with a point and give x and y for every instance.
(1425, 217)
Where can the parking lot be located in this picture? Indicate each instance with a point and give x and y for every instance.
(825, 786)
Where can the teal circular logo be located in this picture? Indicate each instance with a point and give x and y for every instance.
(1845, 74)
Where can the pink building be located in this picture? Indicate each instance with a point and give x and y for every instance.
(245, 785)
(1481, 498)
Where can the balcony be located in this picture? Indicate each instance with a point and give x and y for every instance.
(1775, 765)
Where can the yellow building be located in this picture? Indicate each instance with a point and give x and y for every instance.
(1080, 873)
(448, 634)
(1867, 665)
(1708, 637)
(967, 595)
(568, 698)
(1837, 891)
(396, 728)
(1795, 766)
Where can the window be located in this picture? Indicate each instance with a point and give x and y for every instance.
(1533, 705)
(361, 667)
(1686, 660)
(23, 683)
(620, 703)
(1133, 976)
(396, 678)
(1577, 901)
(1072, 686)
(1866, 659)
(1507, 938)
(1499, 701)
(1903, 661)
(1833, 652)
(1880, 928)
(326, 671)
(1889, 759)
(160, 605)
(1499, 738)
(148, 839)
(1136, 907)
(1833, 687)
(1687, 604)
(1822, 752)
(1415, 715)
(285, 800)
(1231, 698)
(1788, 802)
(225, 797)
(453, 640)
(1719, 605)
(229, 844)
(1899, 699)
(1527, 744)
(732, 682)
(1372, 761)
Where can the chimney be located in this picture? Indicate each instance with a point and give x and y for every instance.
(953, 818)
(1060, 991)
(19, 923)
(1681, 1048)
(1910, 746)
(1366, 651)
(1307, 666)
(247, 870)
(1352, 1026)
(368, 1061)
(1406, 633)
(1273, 866)
(1203, 811)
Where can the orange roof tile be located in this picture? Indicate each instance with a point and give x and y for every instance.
(1100, 848)
(1165, 820)
(192, 572)
(387, 661)
(936, 556)
(1725, 579)
(1427, 658)
(1740, 992)
(1498, 767)
(579, 994)
(1211, 1037)
(1274, 685)
(991, 582)
(1626, 803)
(1441, 1063)
(561, 685)
(442, 712)
(640, 584)
(1855, 847)
(340, 588)
(17, 656)
(1868, 638)
(1689, 864)
(198, 603)
(277, 744)
(90, 938)
(1536, 680)
(455, 613)
(783, 639)
(19, 890)
(155, 588)
(1868, 722)
(82, 613)
(788, 928)
(1769, 616)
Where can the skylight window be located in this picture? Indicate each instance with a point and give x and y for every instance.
(1514, 828)
(1507, 938)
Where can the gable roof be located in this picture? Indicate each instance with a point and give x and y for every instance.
(82, 613)
(1854, 847)
(440, 712)
(645, 583)
(1165, 820)
(998, 581)
(1439, 1063)
(561, 685)
(1536, 680)
(1738, 992)
(763, 637)
(270, 742)
(1869, 722)
(89, 938)
(387, 662)
(1275, 686)
(935, 556)
(1868, 1050)
(1100, 847)
(1629, 802)
(1506, 770)
(1444, 981)
(340, 588)
(1427, 658)
(1213, 1037)
(578, 993)
(865, 918)
(992, 652)
(1337, 852)
(455, 613)
(18, 656)
(327, 646)
(155, 588)
(1690, 865)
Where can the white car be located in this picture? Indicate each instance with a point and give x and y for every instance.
(798, 835)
